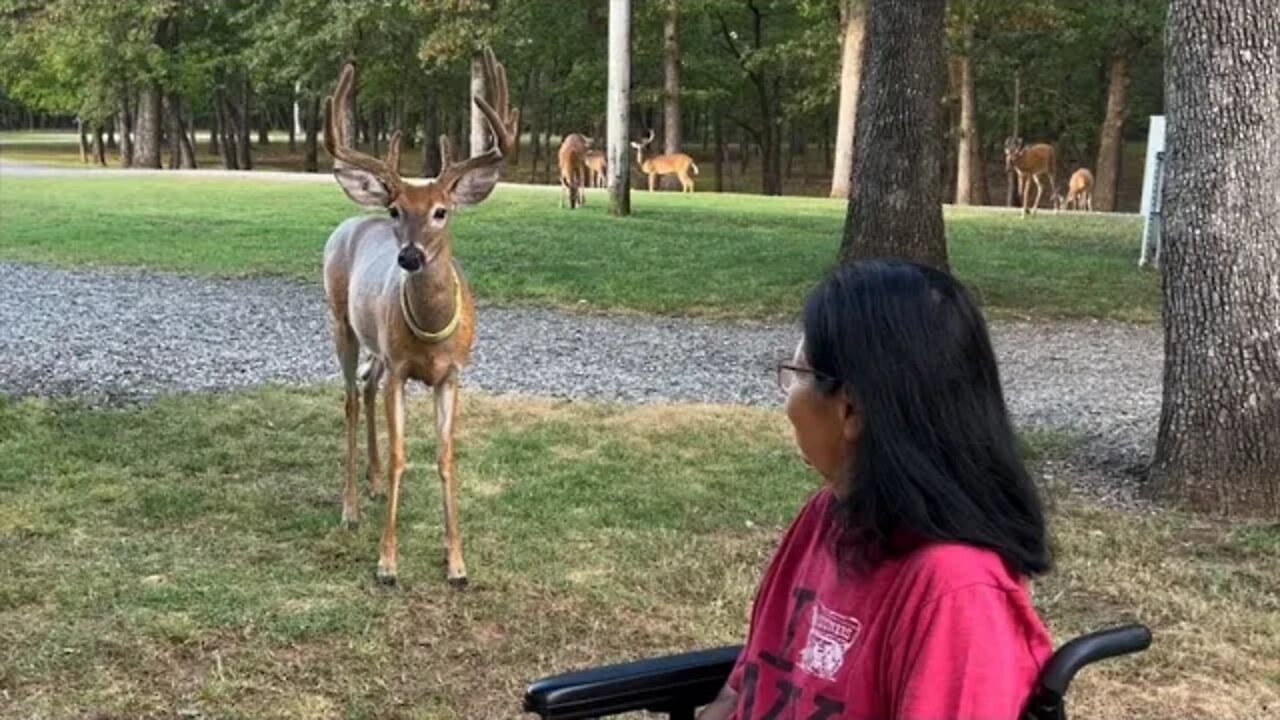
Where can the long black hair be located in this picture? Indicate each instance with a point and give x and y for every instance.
(937, 459)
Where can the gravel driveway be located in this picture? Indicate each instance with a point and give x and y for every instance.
(118, 335)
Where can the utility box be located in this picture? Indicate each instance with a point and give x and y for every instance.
(1152, 187)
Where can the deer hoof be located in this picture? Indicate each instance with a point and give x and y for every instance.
(458, 583)
(386, 576)
(350, 520)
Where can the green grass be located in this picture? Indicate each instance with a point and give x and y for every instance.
(709, 255)
(185, 557)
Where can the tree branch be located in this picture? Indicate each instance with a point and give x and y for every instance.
(737, 52)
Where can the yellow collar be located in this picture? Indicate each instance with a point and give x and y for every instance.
(450, 328)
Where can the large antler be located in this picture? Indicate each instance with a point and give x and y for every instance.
(504, 124)
(338, 145)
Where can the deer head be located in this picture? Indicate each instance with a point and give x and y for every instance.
(1012, 151)
(421, 212)
(640, 145)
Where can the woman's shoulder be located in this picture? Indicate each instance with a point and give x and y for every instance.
(939, 569)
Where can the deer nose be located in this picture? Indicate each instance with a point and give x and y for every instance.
(411, 258)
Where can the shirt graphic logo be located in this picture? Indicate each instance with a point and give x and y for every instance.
(830, 637)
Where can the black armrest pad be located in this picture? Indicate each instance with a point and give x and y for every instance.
(657, 684)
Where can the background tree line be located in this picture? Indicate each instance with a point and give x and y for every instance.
(750, 88)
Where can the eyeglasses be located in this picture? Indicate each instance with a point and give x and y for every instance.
(789, 374)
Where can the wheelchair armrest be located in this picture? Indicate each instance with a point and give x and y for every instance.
(663, 684)
(1046, 702)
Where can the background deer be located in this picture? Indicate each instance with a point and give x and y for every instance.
(1079, 192)
(677, 164)
(394, 291)
(573, 169)
(598, 167)
(1030, 163)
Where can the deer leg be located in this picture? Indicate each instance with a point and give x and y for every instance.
(1035, 209)
(395, 439)
(652, 177)
(348, 356)
(446, 417)
(1024, 187)
(371, 379)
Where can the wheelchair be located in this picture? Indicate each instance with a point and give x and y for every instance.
(677, 685)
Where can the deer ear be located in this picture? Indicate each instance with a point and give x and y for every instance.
(473, 186)
(363, 187)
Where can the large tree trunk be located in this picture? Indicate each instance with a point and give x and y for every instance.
(224, 130)
(618, 110)
(146, 151)
(853, 18)
(430, 136)
(1219, 440)
(311, 160)
(968, 159)
(1111, 142)
(99, 145)
(671, 87)
(895, 209)
(84, 140)
(1011, 182)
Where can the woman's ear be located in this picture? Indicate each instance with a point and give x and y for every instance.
(851, 418)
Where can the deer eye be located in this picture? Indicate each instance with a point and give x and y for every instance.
(394, 212)
(439, 213)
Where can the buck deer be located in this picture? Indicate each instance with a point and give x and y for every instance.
(677, 164)
(1079, 192)
(1030, 163)
(598, 168)
(573, 170)
(394, 291)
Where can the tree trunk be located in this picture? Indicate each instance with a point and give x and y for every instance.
(671, 87)
(225, 130)
(1218, 447)
(1111, 141)
(111, 137)
(717, 129)
(243, 120)
(853, 19)
(99, 146)
(84, 141)
(895, 209)
(1011, 182)
(124, 121)
(430, 135)
(146, 151)
(185, 155)
(967, 151)
(479, 130)
(619, 160)
(293, 120)
(311, 160)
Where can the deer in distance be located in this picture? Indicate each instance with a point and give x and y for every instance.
(1079, 192)
(598, 167)
(395, 292)
(677, 164)
(573, 169)
(1030, 163)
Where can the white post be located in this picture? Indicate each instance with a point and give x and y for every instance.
(618, 110)
(1152, 186)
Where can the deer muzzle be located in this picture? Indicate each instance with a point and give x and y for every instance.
(411, 258)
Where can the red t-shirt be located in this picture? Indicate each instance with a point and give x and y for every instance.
(942, 633)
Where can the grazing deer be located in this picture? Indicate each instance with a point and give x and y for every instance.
(394, 291)
(1030, 163)
(573, 170)
(598, 167)
(677, 164)
(1079, 192)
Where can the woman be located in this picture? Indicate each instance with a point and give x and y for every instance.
(900, 590)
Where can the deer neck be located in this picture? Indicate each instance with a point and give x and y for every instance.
(431, 300)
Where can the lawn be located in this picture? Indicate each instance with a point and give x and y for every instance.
(708, 255)
(184, 558)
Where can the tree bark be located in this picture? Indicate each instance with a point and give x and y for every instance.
(1011, 183)
(671, 88)
(99, 145)
(430, 136)
(224, 129)
(968, 157)
(853, 19)
(895, 209)
(84, 141)
(146, 151)
(1111, 140)
(124, 121)
(619, 160)
(311, 160)
(243, 122)
(1218, 446)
